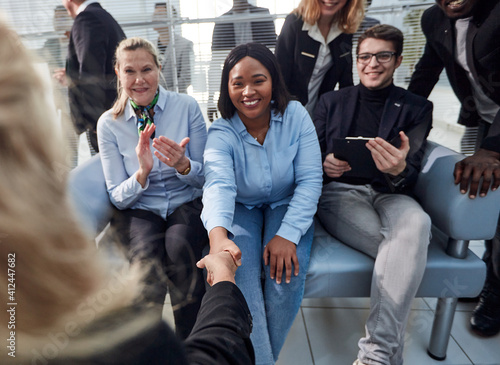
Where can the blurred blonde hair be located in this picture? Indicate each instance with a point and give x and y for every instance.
(348, 18)
(55, 269)
(126, 45)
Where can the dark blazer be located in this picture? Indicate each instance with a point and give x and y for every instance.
(262, 31)
(89, 67)
(221, 336)
(297, 52)
(403, 111)
(483, 46)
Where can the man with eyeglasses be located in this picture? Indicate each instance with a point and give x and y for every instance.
(371, 210)
(463, 37)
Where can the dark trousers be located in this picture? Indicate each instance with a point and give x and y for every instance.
(167, 251)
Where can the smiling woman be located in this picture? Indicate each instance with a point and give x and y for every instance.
(263, 180)
(157, 194)
(250, 89)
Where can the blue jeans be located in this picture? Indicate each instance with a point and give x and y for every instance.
(395, 231)
(273, 306)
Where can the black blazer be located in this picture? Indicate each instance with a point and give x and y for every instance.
(263, 32)
(483, 46)
(297, 52)
(221, 336)
(403, 110)
(92, 85)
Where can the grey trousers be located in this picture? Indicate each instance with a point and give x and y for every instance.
(395, 231)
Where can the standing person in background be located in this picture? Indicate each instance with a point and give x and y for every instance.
(367, 22)
(54, 52)
(314, 48)
(374, 213)
(231, 33)
(464, 39)
(157, 195)
(176, 52)
(54, 49)
(263, 181)
(89, 71)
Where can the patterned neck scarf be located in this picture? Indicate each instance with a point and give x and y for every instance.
(143, 113)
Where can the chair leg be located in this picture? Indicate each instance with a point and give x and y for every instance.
(441, 328)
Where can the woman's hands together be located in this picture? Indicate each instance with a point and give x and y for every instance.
(279, 253)
(171, 153)
(144, 155)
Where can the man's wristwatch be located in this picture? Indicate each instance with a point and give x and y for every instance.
(396, 181)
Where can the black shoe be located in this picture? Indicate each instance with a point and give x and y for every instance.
(485, 320)
(468, 300)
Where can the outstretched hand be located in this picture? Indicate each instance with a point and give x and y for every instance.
(387, 158)
(483, 164)
(279, 253)
(219, 243)
(220, 267)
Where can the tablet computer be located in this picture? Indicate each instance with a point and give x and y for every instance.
(354, 151)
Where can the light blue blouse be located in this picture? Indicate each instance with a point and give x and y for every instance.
(176, 116)
(286, 169)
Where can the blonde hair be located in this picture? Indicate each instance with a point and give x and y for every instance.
(348, 18)
(53, 267)
(130, 44)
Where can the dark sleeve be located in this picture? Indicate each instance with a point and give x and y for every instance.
(492, 140)
(221, 334)
(285, 48)
(90, 40)
(428, 68)
(345, 79)
(319, 119)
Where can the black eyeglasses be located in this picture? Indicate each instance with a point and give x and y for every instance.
(382, 57)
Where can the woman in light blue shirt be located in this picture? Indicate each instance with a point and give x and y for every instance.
(157, 195)
(263, 179)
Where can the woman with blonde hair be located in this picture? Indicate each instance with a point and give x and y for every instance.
(314, 48)
(65, 305)
(157, 195)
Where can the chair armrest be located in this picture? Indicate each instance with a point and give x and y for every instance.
(87, 190)
(454, 213)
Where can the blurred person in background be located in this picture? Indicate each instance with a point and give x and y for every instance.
(176, 52)
(72, 306)
(54, 52)
(232, 29)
